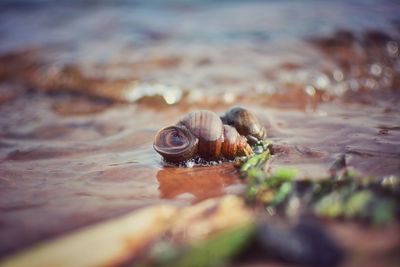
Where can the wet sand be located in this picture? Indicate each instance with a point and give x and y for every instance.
(62, 172)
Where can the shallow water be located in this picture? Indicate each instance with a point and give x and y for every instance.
(84, 88)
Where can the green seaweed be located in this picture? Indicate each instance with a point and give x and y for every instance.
(216, 250)
(345, 194)
(255, 162)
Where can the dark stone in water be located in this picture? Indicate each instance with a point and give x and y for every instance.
(305, 243)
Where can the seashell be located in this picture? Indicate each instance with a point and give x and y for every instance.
(175, 144)
(246, 123)
(234, 144)
(207, 127)
(201, 133)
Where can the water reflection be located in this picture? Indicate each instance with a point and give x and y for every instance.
(200, 182)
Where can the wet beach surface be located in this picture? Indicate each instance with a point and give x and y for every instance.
(84, 88)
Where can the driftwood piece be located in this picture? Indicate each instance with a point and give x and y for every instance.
(105, 244)
(131, 238)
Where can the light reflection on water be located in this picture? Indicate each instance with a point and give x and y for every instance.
(203, 46)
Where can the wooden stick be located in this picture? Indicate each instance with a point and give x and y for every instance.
(105, 244)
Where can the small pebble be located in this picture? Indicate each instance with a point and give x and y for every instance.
(258, 149)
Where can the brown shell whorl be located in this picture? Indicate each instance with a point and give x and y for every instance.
(207, 127)
(245, 122)
(175, 144)
(234, 144)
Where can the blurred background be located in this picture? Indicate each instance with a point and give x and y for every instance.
(203, 50)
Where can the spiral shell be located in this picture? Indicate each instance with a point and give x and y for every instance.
(246, 123)
(176, 144)
(207, 127)
(234, 144)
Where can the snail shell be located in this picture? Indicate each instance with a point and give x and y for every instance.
(200, 133)
(203, 133)
(176, 144)
(246, 123)
(207, 127)
(234, 144)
